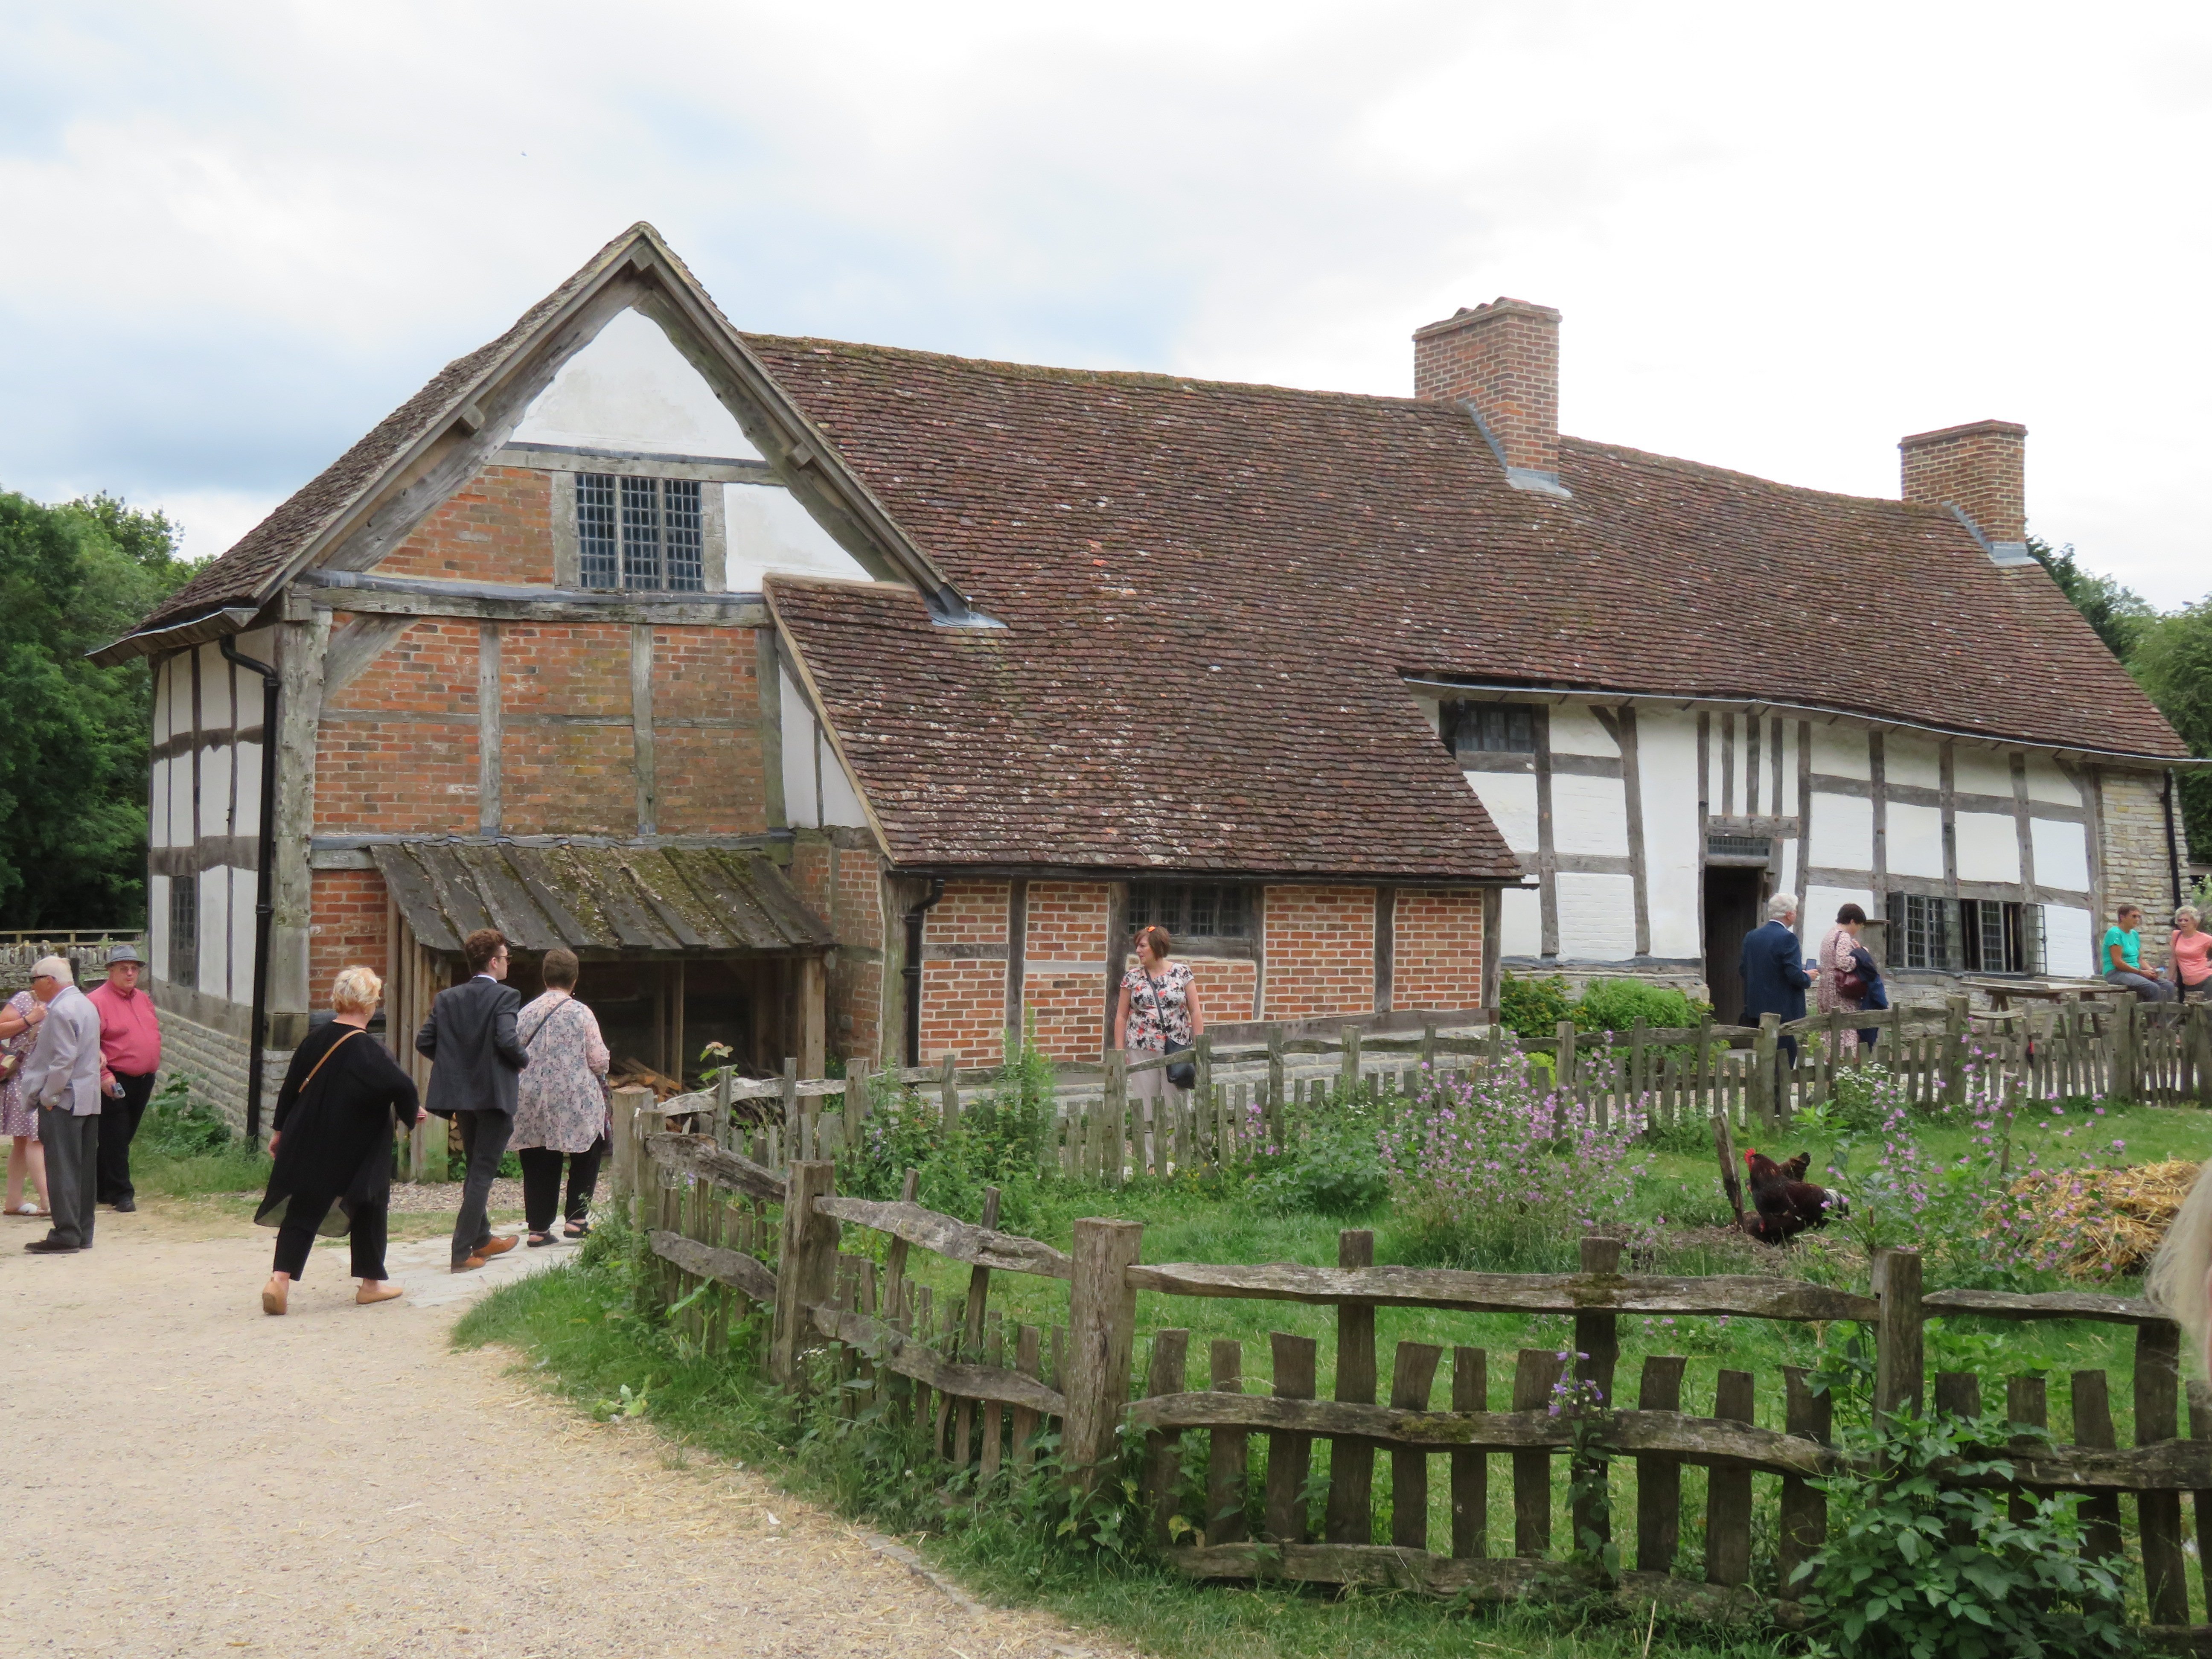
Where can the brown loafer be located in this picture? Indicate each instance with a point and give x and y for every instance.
(468, 1264)
(491, 1248)
(273, 1293)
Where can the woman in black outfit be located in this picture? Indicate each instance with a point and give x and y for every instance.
(332, 1143)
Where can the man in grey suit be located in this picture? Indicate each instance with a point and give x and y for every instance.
(469, 1038)
(61, 1079)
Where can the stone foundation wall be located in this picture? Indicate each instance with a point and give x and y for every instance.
(214, 1062)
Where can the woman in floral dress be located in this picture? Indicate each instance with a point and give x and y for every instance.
(18, 1119)
(561, 1105)
(1157, 1013)
(1836, 961)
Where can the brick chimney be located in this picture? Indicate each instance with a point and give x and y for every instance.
(1979, 470)
(1502, 359)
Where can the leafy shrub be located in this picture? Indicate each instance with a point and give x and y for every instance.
(1615, 1005)
(1532, 1008)
(995, 1142)
(1893, 1584)
(178, 1125)
(1334, 1167)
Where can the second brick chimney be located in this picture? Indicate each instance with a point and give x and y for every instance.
(1502, 359)
(1979, 470)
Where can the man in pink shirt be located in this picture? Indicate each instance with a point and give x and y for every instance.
(130, 1054)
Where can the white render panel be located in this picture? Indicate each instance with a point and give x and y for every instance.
(799, 804)
(765, 529)
(1988, 847)
(1597, 916)
(241, 935)
(2046, 783)
(630, 388)
(1667, 771)
(248, 821)
(157, 927)
(215, 928)
(1980, 772)
(1912, 760)
(1576, 730)
(1821, 904)
(2069, 938)
(2062, 855)
(1843, 832)
(1841, 751)
(1511, 799)
(215, 690)
(1521, 922)
(180, 802)
(1791, 851)
(841, 802)
(157, 804)
(215, 790)
(1915, 840)
(1589, 815)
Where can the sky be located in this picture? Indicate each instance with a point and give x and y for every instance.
(236, 234)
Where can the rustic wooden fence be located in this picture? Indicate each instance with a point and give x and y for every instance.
(980, 1390)
(1250, 1095)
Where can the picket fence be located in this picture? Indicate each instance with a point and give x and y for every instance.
(1251, 1095)
(727, 1233)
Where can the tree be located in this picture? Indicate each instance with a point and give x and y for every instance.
(73, 762)
(2173, 661)
(2118, 614)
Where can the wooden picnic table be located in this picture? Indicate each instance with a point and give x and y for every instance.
(2002, 993)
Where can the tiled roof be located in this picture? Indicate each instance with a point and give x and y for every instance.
(1212, 590)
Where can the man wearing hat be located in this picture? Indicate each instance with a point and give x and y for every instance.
(130, 1055)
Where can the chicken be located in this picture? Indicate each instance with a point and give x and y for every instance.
(1782, 1205)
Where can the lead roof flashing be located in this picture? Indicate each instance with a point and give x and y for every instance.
(1533, 479)
(2006, 554)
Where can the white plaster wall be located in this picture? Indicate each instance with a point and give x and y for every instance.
(1980, 772)
(241, 936)
(841, 802)
(2069, 947)
(1511, 799)
(799, 804)
(2062, 854)
(1841, 751)
(1666, 770)
(157, 927)
(248, 819)
(1842, 831)
(214, 789)
(1589, 815)
(1821, 904)
(1521, 922)
(768, 530)
(1791, 850)
(1597, 916)
(215, 928)
(1915, 840)
(2046, 783)
(1912, 761)
(1988, 847)
(180, 802)
(214, 688)
(157, 821)
(630, 388)
(1576, 730)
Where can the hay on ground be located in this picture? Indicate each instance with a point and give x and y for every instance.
(2105, 1223)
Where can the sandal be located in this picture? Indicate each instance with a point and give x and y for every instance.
(578, 1230)
(27, 1208)
(539, 1240)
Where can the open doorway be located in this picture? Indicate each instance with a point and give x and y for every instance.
(1732, 901)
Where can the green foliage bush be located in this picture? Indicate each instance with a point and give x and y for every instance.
(1532, 1008)
(1331, 1167)
(1615, 1005)
(995, 1144)
(177, 1126)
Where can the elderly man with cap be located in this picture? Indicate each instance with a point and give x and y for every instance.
(61, 1080)
(130, 1054)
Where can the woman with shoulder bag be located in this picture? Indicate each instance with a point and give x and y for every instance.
(19, 1118)
(561, 1104)
(1842, 983)
(1157, 1013)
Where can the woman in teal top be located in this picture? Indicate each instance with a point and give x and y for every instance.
(2123, 958)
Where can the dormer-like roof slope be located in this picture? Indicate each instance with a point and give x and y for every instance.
(1214, 593)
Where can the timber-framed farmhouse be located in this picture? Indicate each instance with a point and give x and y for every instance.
(835, 700)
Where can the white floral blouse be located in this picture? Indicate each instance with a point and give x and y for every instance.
(1159, 1010)
(560, 1102)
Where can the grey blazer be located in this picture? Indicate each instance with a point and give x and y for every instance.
(64, 1069)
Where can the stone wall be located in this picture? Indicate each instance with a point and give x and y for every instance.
(215, 1064)
(2132, 854)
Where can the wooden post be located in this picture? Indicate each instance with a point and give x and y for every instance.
(629, 1150)
(971, 1332)
(1597, 1340)
(1658, 1478)
(1766, 1072)
(2127, 1029)
(1701, 1075)
(1412, 1378)
(1534, 1371)
(1273, 1111)
(1804, 1511)
(1289, 1457)
(856, 1108)
(1957, 1037)
(1226, 1460)
(813, 1017)
(1162, 1447)
(2158, 1513)
(2197, 1039)
(1114, 1113)
(2027, 1403)
(806, 1275)
(1637, 1086)
(795, 1139)
(1727, 1492)
(2200, 1428)
(1350, 1518)
(2093, 1428)
(1102, 1318)
(1470, 1469)
(948, 1093)
(1348, 1068)
(1898, 1360)
(1724, 1149)
(1563, 1077)
(1201, 1096)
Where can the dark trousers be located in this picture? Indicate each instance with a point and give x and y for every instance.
(296, 1237)
(541, 1182)
(484, 1142)
(118, 1123)
(72, 1145)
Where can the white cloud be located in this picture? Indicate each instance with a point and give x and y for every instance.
(1783, 237)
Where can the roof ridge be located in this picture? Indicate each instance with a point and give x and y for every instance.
(1714, 469)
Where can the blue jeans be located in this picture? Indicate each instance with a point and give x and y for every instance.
(2149, 989)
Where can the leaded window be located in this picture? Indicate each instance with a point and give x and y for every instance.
(1490, 728)
(647, 533)
(1976, 936)
(1190, 910)
(184, 930)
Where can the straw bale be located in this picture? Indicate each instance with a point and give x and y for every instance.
(2105, 1223)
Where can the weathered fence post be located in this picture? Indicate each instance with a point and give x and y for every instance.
(2158, 1513)
(1349, 1517)
(1958, 1040)
(948, 1093)
(1766, 1084)
(1275, 1114)
(1102, 1321)
(629, 1150)
(1597, 1340)
(2127, 1049)
(1162, 1447)
(795, 1139)
(1897, 1359)
(1563, 1077)
(1348, 1070)
(806, 1276)
(1114, 1115)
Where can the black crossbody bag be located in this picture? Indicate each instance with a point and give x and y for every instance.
(1183, 1073)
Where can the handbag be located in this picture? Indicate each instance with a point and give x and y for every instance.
(1856, 980)
(1182, 1073)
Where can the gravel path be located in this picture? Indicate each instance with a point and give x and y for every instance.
(188, 1476)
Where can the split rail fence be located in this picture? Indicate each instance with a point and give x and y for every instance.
(835, 1275)
(1249, 1096)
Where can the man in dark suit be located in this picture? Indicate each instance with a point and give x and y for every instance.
(1774, 975)
(469, 1037)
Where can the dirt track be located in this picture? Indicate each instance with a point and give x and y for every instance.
(188, 1476)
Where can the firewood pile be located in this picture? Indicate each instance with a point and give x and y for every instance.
(636, 1074)
(2107, 1222)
